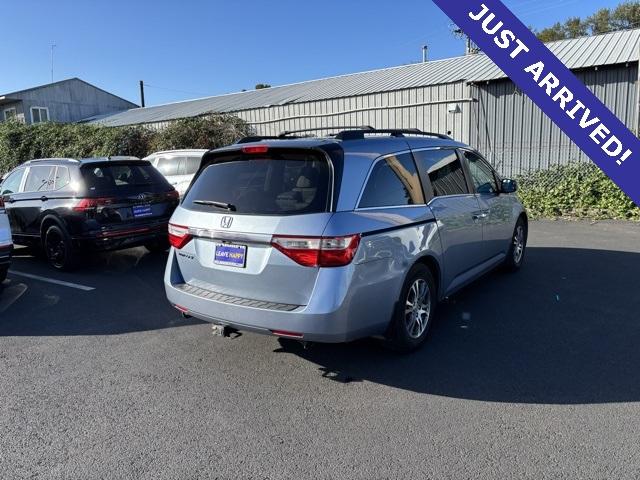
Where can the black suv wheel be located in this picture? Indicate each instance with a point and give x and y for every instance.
(59, 249)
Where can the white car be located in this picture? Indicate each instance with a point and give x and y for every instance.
(6, 244)
(177, 166)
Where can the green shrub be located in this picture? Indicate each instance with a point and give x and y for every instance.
(212, 132)
(20, 142)
(575, 190)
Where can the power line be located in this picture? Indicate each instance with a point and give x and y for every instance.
(178, 91)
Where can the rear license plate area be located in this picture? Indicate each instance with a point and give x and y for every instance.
(230, 255)
(142, 211)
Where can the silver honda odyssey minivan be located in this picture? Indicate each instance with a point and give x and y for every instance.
(331, 239)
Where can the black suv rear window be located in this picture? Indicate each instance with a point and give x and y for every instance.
(112, 178)
(266, 184)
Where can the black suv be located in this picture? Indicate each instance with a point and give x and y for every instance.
(66, 205)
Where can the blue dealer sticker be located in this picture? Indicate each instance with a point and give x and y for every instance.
(142, 211)
(230, 255)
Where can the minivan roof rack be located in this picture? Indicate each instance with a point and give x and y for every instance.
(255, 138)
(288, 133)
(394, 132)
(347, 133)
(291, 134)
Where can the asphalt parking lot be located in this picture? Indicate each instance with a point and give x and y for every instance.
(532, 375)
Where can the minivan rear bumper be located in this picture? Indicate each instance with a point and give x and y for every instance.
(331, 320)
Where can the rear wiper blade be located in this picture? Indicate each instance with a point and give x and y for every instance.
(213, 203)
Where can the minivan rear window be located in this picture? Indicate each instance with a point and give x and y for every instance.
(274, 184)
(101, 178)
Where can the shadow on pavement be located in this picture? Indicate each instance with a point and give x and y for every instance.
(564, 330)
(128, 297)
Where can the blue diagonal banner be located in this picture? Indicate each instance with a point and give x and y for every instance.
(551, 86)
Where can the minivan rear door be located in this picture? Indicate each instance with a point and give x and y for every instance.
(235, 205)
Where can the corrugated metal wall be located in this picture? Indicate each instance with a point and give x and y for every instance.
(494, 117)
(517, 136)
(426, 108)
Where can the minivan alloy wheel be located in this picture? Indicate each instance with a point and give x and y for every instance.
(417, 308)
(518, 244)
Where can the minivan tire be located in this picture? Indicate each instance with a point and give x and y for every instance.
(59, 250)
(517, 247)
(411, 323)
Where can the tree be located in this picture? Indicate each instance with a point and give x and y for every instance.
(260, 86)
(599, 22)
(574, 28)
(624, 16)
(553, 33)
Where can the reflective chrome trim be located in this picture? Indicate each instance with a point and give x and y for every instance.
(422, 149)
(447, 197)
(230, 236)
(364, 209)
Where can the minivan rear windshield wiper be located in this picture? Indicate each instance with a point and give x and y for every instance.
(213, 203)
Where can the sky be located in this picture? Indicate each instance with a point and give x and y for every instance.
(195, 48)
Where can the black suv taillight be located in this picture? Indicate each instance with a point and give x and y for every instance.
(92, 203)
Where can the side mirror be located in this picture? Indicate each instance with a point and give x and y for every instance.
(508, 186)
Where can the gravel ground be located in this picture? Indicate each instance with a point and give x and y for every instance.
(527, 375)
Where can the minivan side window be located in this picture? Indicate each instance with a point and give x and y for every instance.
(12, 183)
(481, 174)
(393, 182)
(39, 178)
(444, 170)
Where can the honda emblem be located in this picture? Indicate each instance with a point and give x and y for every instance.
(226, 221)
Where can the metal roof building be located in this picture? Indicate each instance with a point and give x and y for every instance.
(468, 96)
(67, 100)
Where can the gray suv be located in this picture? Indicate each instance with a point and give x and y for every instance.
(331, 239)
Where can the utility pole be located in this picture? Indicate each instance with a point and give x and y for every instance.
(470, 47)
(141, 93)
(53, 45)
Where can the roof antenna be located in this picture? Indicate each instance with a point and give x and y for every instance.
(425, 49)
(53, 45)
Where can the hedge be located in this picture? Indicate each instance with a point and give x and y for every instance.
(574, 190)
(20, 142)
(579, 190)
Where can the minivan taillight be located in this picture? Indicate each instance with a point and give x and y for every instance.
(318, 251)
(91, 203)
(178, 235)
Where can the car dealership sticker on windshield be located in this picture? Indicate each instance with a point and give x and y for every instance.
(551, 86)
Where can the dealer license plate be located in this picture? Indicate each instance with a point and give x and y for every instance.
(230, 255)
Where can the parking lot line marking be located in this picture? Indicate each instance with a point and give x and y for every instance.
(52, 280)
